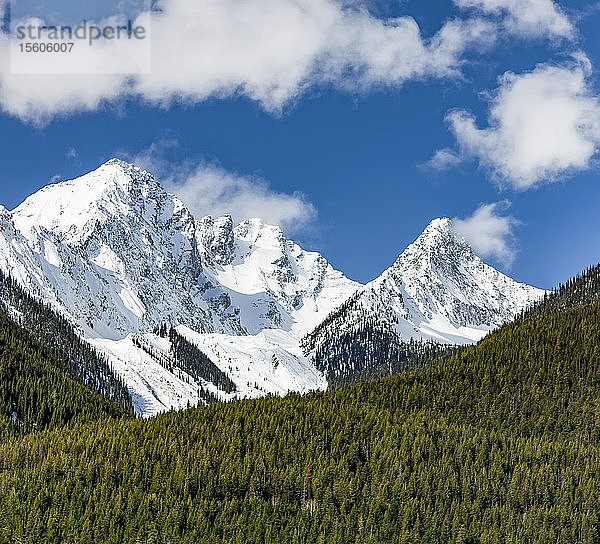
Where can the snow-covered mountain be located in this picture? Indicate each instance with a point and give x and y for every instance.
(119, 256)
(437, 290)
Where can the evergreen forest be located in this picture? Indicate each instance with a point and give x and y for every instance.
(495, 443)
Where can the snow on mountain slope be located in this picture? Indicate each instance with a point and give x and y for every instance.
(16, 257)
(153, 388)
(438, 289)
(268, 362)
(299, 287)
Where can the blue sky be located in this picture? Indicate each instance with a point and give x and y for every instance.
(341, 151)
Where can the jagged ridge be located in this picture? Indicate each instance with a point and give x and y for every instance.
(118, 256)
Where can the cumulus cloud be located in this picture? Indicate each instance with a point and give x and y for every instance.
(489, 232)
(268, 50)
(527, 18)
(542, 125)
(209, 189)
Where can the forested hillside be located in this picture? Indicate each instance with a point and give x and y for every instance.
(500, 443)
(583, 289)
(62, 344)
(369, 349)
(38, 390)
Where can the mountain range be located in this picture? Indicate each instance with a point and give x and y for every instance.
(123, 260)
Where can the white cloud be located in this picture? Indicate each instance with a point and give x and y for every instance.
(443, 159)
(542, 125)
(268, 50)
(490, 233)
(527, 18)
(208, 189)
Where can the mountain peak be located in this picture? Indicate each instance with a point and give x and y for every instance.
(132, 173)
(438, 245)
(69, 207)
(441, 230)
(116, 161)
(122, 173)
(438, 289)
(251, 230)
(439, 224)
